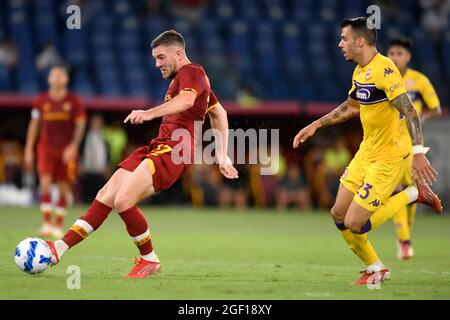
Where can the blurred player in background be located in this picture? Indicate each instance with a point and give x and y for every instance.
(152, 168)
(364, 200)
(57, 125)
(422, 94)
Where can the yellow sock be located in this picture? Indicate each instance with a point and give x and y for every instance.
(389, 208)
(411, 214)
(401, 224)
(361, 246)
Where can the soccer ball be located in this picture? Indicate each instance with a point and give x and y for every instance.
(32, 255)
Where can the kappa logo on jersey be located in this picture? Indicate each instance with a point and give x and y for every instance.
(368, 74)
(363, 94)
(375, 203)
(388, 71)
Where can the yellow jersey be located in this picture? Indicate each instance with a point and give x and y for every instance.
(420, 90)
(374, 86)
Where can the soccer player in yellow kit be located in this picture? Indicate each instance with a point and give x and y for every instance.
(364, 200)
(422, 94)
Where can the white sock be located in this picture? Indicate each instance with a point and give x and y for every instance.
(150, 257)
(412, 193)
(375, 267)
(61, 247)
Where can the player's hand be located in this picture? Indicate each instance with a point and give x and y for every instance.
(70, 152)
(28, 159)
(305, 133)
(423, 169)
(138, 116)
(228, 170)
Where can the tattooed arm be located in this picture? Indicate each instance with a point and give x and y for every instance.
(405, 107)
(345, 111)
(420, 165)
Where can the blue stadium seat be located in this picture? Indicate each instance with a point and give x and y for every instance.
(5, 79)
(76, 51)
(81, 82)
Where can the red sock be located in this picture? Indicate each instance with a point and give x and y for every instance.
(60, 211)
(137, 228)
(46, 208)
(87, 223)
(59, 220)
(47, 217)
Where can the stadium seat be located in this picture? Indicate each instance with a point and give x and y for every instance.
(5, 79)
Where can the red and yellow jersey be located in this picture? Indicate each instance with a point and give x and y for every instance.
(57, 120)
(190, 77)
(420, 90)
(374, 86)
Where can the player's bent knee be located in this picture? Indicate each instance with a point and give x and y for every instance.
(353, 225)
(338, 214)
(123, 202)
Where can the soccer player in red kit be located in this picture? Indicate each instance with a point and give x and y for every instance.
(58, 119)
(154, 167)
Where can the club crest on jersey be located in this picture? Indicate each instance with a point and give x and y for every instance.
(388, 71)
(47, 106)
(368, 74)
(67, 106)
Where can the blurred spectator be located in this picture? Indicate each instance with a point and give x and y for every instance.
(9, 56)
(203, 183)
(435, 17)
(48, 58)
(235, 193)
(191, 10)
(11, 157)
(94, 163)
(117, 140)
(335, 159)
(245, 97)
(293, 189)
(153, 8)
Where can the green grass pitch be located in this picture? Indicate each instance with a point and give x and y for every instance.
(229, 254)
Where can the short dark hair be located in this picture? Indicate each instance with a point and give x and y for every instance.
(167, 38)
(403, 42)
(360, 25)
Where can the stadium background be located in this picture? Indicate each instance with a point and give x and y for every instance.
(273, 64)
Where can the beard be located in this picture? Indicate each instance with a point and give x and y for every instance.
(172, 74)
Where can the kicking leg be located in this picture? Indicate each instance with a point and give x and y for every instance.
(94, 216)
(136, 188)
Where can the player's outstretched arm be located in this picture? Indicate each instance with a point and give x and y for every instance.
(181, 102)
(345, 111)
(32, 133)
(219, 123)
(420, 165)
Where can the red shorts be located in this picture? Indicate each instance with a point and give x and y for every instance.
(51, 163)
(165, 172)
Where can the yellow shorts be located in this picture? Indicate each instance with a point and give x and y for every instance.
(408, 178)
(373, 182)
